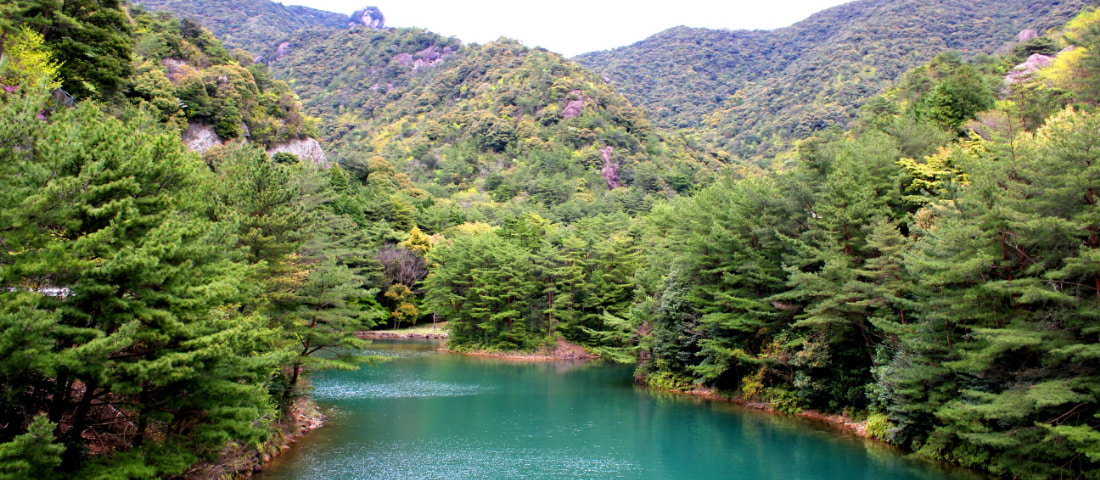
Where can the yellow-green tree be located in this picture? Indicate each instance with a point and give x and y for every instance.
(26, 61)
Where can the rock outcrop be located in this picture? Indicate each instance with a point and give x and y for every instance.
(177, 69)
(307, 149)
(1026, 35)
(370, 17)
(1024, 70)
(424, 58)
(610, 170)
(282, 50)
(199, 137)
(574, 104)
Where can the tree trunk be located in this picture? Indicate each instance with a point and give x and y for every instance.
(550, 315)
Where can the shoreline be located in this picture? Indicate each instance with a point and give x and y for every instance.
(521, 356)
(369, 335)
(243, 461)
(840, 423)
(562, 350)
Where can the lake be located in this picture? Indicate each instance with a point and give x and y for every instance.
(426, 414)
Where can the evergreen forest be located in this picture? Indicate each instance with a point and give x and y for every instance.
(886, 211)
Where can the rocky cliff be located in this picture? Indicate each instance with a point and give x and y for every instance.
(306, 149)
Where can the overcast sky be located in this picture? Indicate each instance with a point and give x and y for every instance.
(573, 27)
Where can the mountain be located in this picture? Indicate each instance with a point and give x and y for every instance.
(252, 25)
(753, 92)
(493, 117)
(515, 122)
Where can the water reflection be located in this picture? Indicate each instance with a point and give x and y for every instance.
(427, 415)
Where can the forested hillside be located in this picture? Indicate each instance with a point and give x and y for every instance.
(946, 286)
(753, 93)
(252, 25)
(492, 126)
(185, 77)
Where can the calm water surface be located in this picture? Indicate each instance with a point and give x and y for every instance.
(431, 415)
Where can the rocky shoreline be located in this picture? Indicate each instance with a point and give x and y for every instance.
(242, 462)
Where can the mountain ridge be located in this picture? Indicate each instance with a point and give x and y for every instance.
(809, 75)
(253, 25)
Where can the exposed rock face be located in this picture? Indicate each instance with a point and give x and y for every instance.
(199, 137)
(424, 58)
(306, 149)
(370, 17)
(1024, 70)
(610, 171)
(1026, 35)
(177, 69)
(574, 105)
(282, 50)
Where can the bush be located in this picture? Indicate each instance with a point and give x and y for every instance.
(879, 426)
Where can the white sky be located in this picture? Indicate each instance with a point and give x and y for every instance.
(572, 27)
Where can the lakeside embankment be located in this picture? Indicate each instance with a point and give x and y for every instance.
(842, 423)
(243, 461)
(562, 350)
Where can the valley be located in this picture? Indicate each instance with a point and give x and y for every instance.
(884, 212)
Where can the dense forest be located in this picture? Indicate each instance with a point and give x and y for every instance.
(754, 93)
(252, 25)
(926, 261)
(156, 306)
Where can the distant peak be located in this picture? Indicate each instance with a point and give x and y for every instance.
(370, 17)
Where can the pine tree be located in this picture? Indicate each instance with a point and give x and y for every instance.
(326, 319)
(111, 254)
(996, 373)
(91, 39)
(32, 454)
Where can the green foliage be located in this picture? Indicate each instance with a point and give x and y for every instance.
(879, 426)
(515, 287)
(754, 94)
(115, 260)
(958, 95)
(31, 455)
(936, 264)
(26, 62)
(254, 25)
(184, 74)
(90, 39)
(145, 281)
(955, 295)
(496, 125)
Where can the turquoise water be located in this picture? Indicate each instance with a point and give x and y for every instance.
(431, 415)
